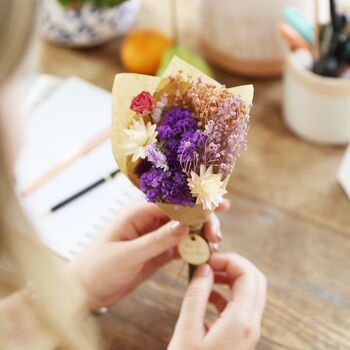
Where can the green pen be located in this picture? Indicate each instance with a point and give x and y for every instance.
(295, 19)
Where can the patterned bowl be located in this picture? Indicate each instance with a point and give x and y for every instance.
(89, 26)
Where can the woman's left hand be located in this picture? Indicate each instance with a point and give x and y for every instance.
(140, 241)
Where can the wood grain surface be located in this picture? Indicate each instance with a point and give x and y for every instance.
(289, 216)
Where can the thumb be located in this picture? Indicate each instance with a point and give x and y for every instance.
(157, 242)
(196, 299)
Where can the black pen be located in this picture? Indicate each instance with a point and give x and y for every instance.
(85, 190)
(334, 16)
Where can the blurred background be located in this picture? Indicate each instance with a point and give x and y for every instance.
(290, 191)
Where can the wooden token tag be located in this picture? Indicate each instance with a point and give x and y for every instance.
(194, 249)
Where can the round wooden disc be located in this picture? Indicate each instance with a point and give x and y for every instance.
(194, 249)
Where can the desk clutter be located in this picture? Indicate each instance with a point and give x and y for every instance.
(316, 98)
(71, 206)
(328, 43)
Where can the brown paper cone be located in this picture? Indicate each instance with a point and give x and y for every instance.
(126, 86)
(195, 216)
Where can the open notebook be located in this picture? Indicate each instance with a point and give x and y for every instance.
(73, 113)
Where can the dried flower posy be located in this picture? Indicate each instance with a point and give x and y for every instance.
(185, 140)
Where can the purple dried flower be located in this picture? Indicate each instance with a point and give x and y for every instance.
(172, 145)
(156, 157)
(190, 145)
(172, 161)
(175, 122)
(170, 184)
(227, 136)
(150, 183)
(143, 166)
(166, 186)
(212, 135)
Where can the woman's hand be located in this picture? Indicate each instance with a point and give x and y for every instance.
(238, 326)
(139, 242)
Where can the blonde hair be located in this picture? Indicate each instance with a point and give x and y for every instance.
(58, 302)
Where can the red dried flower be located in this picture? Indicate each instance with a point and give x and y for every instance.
(143, 103)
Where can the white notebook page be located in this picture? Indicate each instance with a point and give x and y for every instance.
(73, 114)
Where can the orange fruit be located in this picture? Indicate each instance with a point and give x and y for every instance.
(142, 50)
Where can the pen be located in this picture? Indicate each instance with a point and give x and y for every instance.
(296, 20)
(80, 193)
(326, 39)
(292, 37)
(337, 20)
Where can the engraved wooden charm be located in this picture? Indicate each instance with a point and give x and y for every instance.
(194, 249)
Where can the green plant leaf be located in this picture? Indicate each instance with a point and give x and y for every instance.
(96, 3)
(106, 3)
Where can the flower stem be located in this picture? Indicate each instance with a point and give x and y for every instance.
(191, 271)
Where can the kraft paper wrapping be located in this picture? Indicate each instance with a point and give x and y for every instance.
(126, 87)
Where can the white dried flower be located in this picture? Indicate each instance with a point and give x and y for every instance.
(137, 137)
(207, 187)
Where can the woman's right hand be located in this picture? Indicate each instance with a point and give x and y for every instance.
(238, 325)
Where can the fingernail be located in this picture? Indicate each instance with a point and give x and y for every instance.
(219, 235)
(215, 226)
(178, 229)
(174, 224)
(203, 270)
(215, 247)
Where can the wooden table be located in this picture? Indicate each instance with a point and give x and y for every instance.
(289, 216)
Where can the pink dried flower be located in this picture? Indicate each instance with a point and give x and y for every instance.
(143, 103)
(222, 117)
(227, 136)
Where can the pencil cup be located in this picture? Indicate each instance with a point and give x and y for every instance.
(316, 108)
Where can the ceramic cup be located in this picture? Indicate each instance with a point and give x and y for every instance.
(314, 107)
(89, 26)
